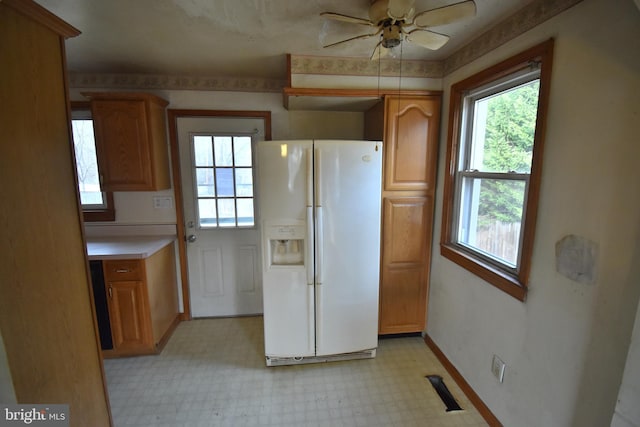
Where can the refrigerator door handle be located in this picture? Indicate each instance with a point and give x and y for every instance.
(319, 320)
(310, 228)
(309, 177)
(318, 176)
(319, 220)
(311, 324)
(310, 245)
(319, 245)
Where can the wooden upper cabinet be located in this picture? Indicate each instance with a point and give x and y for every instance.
(411, 138)
(131, 142)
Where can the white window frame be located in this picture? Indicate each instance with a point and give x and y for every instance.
(235, 198)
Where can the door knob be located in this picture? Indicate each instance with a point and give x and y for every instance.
(191, 238)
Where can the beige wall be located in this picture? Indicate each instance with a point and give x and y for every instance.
(566, 346)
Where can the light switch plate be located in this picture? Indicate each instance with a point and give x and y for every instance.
(162, 202)
(497, 368)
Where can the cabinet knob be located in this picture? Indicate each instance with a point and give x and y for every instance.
(110, 292)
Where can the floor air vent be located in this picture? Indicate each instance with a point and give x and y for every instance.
(447, 398)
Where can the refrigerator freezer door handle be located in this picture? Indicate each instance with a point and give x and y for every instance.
(309, 177)
(318, 219)
(310, 246)
(319, 245)
(319, 320)
(311, 318)
(318, 177)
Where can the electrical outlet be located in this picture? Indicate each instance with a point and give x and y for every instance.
(497, 368)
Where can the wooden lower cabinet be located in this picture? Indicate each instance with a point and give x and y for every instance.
(128, 311)
(143, 302)
(406, 254)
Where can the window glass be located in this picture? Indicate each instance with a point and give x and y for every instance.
(96, 204)
(206, 182)
(503, 129)
(87, 163)
(224, 153)
(242, 151)
(203, 150)
(244, 182)
(490, 218)
(224, 179)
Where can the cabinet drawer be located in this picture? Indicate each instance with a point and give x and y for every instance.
(123, 270)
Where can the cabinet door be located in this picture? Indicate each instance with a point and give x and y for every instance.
(406, 253)
(122, 141)
(128, 311)
(411, 139)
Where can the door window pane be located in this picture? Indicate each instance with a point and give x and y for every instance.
(245, 212)
(227, 209)
(242, 150)
(207, 212)
(244, 182)
(223, 176)
(206, 182)
(203, 150)
(224, 152)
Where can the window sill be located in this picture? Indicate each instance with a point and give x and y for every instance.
(508, 283)
(99, 215)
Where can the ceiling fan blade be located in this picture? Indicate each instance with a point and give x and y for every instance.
(400, 9)
(445, 15)
(346, 18)
(379, 52)
(363, 36)
(428, 39)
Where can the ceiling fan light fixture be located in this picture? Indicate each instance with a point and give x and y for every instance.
(391, 35)
(396, 22)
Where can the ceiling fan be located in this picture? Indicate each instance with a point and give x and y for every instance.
(396, 21)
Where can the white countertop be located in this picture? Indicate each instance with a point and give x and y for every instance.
(130, 247)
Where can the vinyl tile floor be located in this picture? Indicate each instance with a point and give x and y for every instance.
(212, 373)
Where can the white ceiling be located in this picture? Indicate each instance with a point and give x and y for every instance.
(235, 38)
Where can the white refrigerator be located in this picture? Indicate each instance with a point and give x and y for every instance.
(320, 217)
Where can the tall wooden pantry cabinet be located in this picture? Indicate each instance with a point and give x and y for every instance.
(46, 320)
(409, 126)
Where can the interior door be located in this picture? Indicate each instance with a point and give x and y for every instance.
(224, 259)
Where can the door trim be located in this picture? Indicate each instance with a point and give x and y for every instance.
(172, 118)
